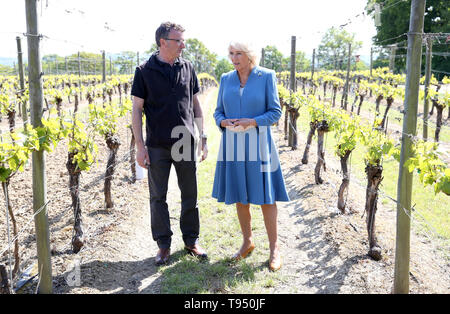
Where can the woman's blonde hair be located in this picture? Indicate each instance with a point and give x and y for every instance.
(246, 48)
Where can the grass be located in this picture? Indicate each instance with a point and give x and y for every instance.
(220, 234)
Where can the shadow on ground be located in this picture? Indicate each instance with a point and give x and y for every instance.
(183, 274)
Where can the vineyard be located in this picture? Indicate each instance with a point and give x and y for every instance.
(88, 127)
(364, 151)
(345, 119)
(352, 128)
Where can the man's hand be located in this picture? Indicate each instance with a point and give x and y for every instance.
(142, 157)
(204, 149)
(141, 152)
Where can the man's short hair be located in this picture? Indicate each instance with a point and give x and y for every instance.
(164, 30)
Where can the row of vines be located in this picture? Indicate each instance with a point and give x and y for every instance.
(79, 111)
(352, 130)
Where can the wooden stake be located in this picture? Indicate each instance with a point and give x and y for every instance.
(38, 157)
(292, 77)
(404, 188)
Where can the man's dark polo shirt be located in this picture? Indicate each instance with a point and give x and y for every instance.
(168, 97)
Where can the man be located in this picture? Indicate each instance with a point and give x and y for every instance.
(165, 87)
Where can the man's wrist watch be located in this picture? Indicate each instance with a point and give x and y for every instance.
(204, 136)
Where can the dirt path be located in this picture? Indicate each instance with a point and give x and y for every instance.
(323, 251)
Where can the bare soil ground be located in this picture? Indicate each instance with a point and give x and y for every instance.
(323, 251)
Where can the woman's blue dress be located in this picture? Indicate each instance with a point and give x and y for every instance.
(248, 168)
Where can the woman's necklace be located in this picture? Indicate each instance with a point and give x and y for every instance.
(243, 81)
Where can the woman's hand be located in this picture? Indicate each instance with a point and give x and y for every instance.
(228, 122)
(245, 123)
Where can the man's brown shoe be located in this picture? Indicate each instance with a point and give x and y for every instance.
(162, 257)
(197, 251)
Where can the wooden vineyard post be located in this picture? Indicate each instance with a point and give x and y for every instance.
(292, 77)
(263, 55)
(38, 157)
(292, 137)
(344, 100)
(404, 188)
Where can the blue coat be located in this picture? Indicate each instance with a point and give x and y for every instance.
(248, 168)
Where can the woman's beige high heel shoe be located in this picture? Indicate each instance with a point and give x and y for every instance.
(238, 256)
(275, 263)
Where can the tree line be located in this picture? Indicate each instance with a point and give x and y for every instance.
(331, 54)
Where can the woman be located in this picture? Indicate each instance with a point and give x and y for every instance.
(248, 170)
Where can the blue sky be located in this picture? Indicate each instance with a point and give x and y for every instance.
(117, 26)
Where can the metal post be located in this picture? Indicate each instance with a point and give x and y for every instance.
(404, 187)
(79, 66)
(38, 157)
(392, 58)
(347, 78)
(79, 74)
(429, 43)
(371, 60)
(313, 60)
(103, 67)
(21, 79)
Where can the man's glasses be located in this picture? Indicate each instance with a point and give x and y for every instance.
(179, 41)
